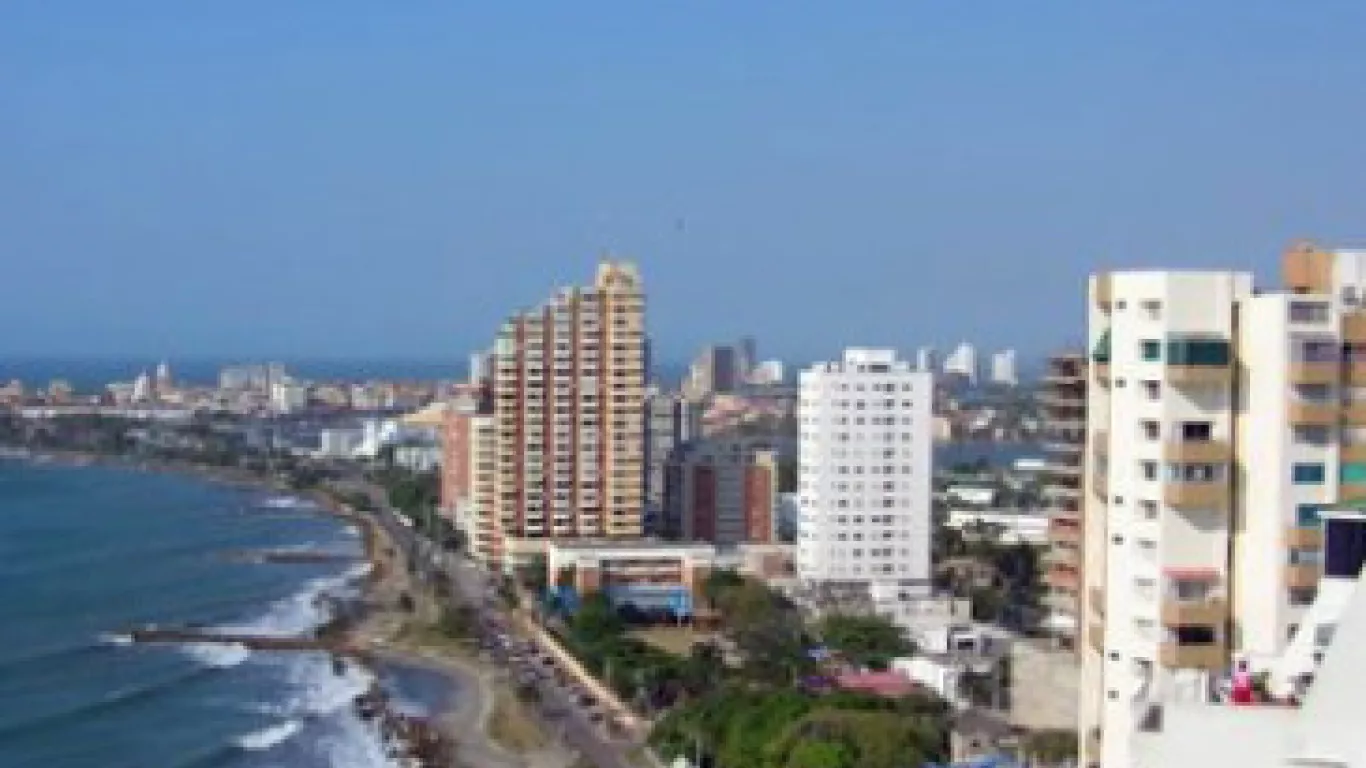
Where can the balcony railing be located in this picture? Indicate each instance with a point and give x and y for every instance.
(1211, 656)
(1303, 537)
(1354, 327)
(1312, 412)
(1302, 576)
(1196, 495)
(1355, 371)
(1317, 372)
(1204, 451)
(1210, 611)
(1354, 412)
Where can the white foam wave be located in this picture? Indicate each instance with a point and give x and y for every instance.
(352, 531)
(305, 610)
(217, 655)
(322, 688)
(113, 638)
(269, 736)
(287, 502)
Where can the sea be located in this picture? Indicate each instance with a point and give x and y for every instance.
(87, 553)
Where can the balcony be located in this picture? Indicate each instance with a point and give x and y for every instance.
(1063, 578)
(1101, 484)
(1062, 532)
(1095, 599)
(1352, 452)
(1303, 537)
(1354, 413)
(1195, 495)
(1314, 373)
(1176, 656)
(1302, 576)
(1212, 611)
(1199, 375)
(1104, 290)
(1312, 413)
(1355, 371)
(1095, 636)
(1205, 451)
(1354, 327)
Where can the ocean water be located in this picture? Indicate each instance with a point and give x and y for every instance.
(88, 553)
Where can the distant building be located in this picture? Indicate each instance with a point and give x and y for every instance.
(767, 373)
(865, 466)
(716, 370)
(1003, 368)
(164, 382)
(1063, 402)
(926, 360)
(142, 388)
(670, 421)
(962, 363)
(288, 397)
(724, 489)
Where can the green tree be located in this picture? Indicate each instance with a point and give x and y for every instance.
(1052, 747)
(868, 641)
(820, 754)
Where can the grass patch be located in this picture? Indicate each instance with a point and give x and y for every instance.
(512, 727)
(676, 640)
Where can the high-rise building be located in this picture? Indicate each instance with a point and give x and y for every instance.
(1003, 368)
(1063, 401)
(670, 421)
(1220, 422)
(926, 359)
(715, 371)
(568, 406)
(864, 478)
(164, 382)
(142, 388)
(962, 362)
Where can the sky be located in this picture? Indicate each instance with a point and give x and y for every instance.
(389, 179)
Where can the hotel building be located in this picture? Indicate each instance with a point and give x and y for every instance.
(1221, 421)
(864, 478)
(568, 410)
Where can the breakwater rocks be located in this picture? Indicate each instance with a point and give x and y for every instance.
(413, 740)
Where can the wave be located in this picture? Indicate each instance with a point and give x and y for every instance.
(115, 638)
(217, 655)
(286, 502)
(113, 700)
(269, 736)
(305, 610)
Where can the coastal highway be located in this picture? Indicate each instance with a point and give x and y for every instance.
(561, 713)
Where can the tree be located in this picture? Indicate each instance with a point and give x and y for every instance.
(820, 754)
(1052, 747)
(868, 641)
(595, 620)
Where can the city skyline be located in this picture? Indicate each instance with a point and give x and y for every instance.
(308, 180)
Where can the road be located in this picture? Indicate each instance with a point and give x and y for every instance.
(561, 714)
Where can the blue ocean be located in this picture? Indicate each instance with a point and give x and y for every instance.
(88, 553)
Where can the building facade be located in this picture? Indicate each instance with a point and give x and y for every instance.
(670, 421)
(1063, 403)
(1221, 421)
(724, 489)
(864, 477)
(568, 407)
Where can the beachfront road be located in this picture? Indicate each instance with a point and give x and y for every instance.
(562, 715)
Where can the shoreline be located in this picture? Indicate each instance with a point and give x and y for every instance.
(357, 622)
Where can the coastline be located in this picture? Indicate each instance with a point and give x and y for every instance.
(370, 624)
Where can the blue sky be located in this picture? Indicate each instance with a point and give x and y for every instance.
(390, 178)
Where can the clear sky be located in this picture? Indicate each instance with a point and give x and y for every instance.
(388, 178)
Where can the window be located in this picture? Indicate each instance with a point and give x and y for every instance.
(1304, 556)
(1353, 472)
(1302, 596)
(1307, 474)
(1196, 431)
(1212, 352)
(1311, 434)
(1150, 429)
(1152, 308)
(1354, 352)
(1316, 351)
(1150, 350)
(1191, 590)
(1308, 312)
(1195, 473)
(1148, 469)
(1148, 508)
(1152, 390)
(1307, 515)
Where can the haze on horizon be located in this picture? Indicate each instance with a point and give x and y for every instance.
(331, 179)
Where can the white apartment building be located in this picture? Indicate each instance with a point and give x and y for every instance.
(962, 362)
(1221, 421)
(864, 478)
(1003, 369)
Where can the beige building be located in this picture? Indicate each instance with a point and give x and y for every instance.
(1221, 420)
(1063, 402)
(568, 407)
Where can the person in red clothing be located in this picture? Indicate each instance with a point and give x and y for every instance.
(1242, 685)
